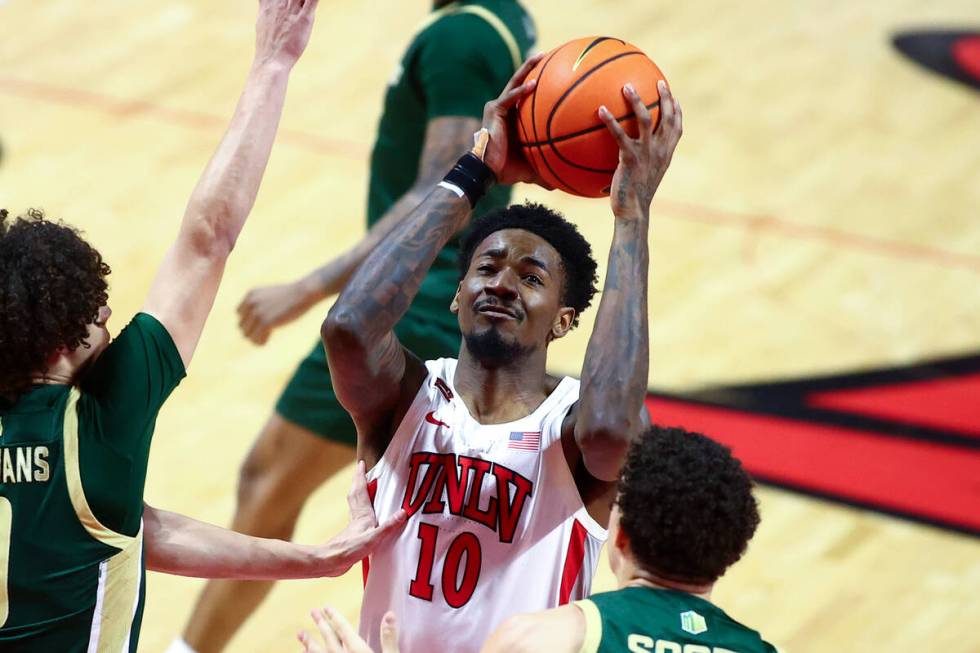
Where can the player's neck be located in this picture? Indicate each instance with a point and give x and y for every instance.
(643, 578)
(501, 394)
(61, 371)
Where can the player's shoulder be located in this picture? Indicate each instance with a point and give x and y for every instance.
(560, 629)
(476, 26)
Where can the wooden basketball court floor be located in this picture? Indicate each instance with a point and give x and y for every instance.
(821, 215)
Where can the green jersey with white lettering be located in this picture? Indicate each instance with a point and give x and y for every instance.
(643, 619)
(72, 468)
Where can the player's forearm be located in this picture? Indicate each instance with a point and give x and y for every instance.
(226, 190)
(614, 375)
(179, 545)
(383, 287)
(330, 278)
(445, 138)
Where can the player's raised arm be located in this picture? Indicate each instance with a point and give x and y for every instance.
(614, 375)
(179, 545)
(264, 309)
(370, 369)
(186, 283)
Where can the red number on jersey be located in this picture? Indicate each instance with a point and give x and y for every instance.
(456, 591)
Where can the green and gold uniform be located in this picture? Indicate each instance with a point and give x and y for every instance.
(73, 464)
(462, 57)
(641, 619)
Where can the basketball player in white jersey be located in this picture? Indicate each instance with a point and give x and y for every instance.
(508, 474)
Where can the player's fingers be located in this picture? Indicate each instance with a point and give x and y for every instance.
(358, 494)
(245, 304)
(509, 98)
(394, 523)
(522, 72)
(389, 633)
(250, 325)
(666, 103)
(344, 630)
(330, 641)
(261, 335)
(622, 138)
(643, 119)
(310, 645)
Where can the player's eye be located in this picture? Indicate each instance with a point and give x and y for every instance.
(486, 268)
(533, 279)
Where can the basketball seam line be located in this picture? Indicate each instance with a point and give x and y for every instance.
(583, 132)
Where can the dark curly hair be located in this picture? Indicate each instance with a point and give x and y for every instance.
(52, 285)
(686, 504)
(575, 251)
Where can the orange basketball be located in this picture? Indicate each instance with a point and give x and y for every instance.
(558, 124)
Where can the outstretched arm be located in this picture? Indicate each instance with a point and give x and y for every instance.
(176, 544)
(264, 309)
(187, 281)
(372, 372)
(614, 377)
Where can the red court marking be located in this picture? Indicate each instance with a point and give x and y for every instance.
(966, 52)
(354, 150)
(948, 403)
(934, 482)
(834, 237)
(185, 118)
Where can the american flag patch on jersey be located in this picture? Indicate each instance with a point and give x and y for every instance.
(525, 440)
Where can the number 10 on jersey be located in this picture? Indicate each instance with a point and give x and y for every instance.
(460, 569)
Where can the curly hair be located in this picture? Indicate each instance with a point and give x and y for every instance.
(686, 505)
(52, 285)
(575, 251)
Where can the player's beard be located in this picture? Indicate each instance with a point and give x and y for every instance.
(492, 351)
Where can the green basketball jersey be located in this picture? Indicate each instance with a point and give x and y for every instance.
(642, 619)
(460, 58)
(72, 468)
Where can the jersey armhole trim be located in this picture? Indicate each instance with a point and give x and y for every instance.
(73, 478)
(395, 446)
(500, 27)
(593, 626)
(491, 19)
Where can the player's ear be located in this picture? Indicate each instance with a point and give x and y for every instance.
(563, 322)
(454, 306)
(622, 541)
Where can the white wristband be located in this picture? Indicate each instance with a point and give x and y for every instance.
(452, 188)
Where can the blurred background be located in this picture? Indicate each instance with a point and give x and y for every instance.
(815, 277)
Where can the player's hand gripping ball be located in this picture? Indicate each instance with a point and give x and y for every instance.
(559, 129)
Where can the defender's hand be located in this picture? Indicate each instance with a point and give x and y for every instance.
(363, 534)
(644, 160)
(502, 152)
(340, 637)
(265, 308)
(283, 30)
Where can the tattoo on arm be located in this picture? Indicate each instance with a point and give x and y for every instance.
(614, 375)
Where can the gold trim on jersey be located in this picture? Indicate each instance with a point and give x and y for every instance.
(491, 18)
(593, 626)
(73, 476)
(6, 525)
(119, 587)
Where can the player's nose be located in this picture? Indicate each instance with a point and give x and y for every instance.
(502, 284)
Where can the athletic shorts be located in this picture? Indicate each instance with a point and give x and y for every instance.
(309, 399)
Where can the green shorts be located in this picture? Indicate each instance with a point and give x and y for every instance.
(309, 399)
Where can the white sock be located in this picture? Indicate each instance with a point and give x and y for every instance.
(179, 646)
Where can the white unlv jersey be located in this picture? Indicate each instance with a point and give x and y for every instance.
(497, 526)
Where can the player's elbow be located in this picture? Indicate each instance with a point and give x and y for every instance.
(209, 231)
(343, 328)
(604, 446)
